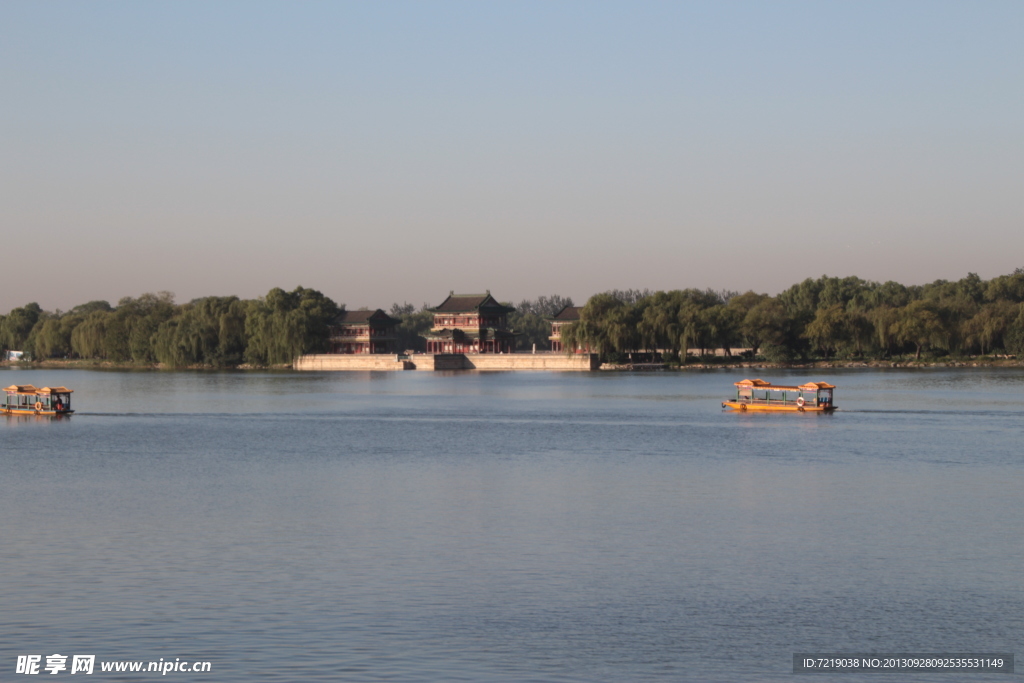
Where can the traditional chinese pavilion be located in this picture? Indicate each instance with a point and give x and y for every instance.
(471, 323)
(569, 314)
(363, 332)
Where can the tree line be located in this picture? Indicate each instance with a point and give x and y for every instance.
(213, 331)
(827, 318)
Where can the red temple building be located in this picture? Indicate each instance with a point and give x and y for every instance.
(363, 332)
(471, 323)
(569, 314)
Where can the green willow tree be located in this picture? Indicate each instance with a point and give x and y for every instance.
(53, 339)
(147, 313)
(829, 329)
(209, 331)
(764, 323)
(89, 336)
(284, 325)
(988, 328)
(1015, 334)
(16, 327)
(918, 323)
(659, 326)
(594, 328)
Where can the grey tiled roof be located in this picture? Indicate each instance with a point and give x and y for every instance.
(465, 303)
(569, 313)
(363, 317)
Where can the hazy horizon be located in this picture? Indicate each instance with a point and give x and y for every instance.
(389, 152)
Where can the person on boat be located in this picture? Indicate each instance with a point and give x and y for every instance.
(59, 405)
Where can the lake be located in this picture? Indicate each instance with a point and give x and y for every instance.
(511, 526)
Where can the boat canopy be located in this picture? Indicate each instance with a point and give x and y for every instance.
(811, 386)
(51, 391)
(761, 384)
(33, 391)
(21, 389)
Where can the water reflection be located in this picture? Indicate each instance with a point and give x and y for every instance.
(15, 420)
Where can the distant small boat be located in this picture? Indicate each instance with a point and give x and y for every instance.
(756, 394)
(25, 399)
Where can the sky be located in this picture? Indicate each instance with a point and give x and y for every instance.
(393, 151)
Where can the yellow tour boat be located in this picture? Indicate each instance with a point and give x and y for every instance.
(756, 394)
(25, 399)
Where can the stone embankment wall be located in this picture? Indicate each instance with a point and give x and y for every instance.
(360, 361)
(506, 361)
(533, 361)
(450, 361)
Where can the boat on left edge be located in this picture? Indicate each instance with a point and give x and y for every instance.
(25, 399)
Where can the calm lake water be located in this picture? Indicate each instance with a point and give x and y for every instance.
(511, 526)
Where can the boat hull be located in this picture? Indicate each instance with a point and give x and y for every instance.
(777, 408)
(33, 411)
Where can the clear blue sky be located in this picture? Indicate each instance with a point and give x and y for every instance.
(389, 151)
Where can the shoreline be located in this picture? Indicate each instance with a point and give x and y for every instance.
(818, 364)
(88, 364)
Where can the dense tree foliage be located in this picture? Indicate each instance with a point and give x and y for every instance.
(212, 331)
(16, 327)
(208, 331)
(283, 325)
(825, 318)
